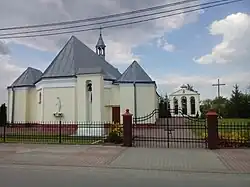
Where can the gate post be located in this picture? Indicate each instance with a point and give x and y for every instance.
(212, 125)
(127, 128)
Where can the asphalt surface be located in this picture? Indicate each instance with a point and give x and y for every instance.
(40, 176)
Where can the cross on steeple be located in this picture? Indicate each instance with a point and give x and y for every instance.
(218, 87)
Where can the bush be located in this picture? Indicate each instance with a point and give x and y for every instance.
(231, 139)
(3, 114)
(115, 134)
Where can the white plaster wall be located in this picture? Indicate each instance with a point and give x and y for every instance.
(146, 99)
(9, 105)
(126, 98)
(67, 97)
(97, 97)
(32, 105)
(39, 111)
(20, 108)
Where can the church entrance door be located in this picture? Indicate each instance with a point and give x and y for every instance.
(116, 114)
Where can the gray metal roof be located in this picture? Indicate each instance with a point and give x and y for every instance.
(100, 42)
(76, 58)
(135, 74)
(27, 78)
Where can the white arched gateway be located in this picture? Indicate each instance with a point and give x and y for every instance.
(185, 99)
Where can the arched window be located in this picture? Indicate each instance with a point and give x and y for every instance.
(184, 105)
(175, 106)
(192, 104)
(40, 98)
(89, 87)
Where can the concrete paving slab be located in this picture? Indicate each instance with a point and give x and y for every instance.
(170, 159)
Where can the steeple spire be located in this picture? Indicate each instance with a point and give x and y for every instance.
(100, 46)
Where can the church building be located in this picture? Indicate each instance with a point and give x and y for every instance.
(79, 86)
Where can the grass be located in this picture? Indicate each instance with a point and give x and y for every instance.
(229, 125)
(50, 139)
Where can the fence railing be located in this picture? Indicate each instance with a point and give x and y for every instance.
(233, 134)
(55, 132)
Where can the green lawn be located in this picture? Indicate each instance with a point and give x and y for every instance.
(50, 139)
(225, 126)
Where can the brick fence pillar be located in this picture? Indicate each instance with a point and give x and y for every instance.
(212, 125)
(127, 129)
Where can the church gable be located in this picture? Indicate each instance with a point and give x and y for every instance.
(135, 74)
(182, 92)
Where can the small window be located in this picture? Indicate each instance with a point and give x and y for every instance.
(40, 98)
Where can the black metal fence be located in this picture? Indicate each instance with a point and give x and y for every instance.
(58, 133)
(234, 134)
(183, 131)
(172, 131)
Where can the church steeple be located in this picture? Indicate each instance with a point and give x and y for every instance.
(100, 46)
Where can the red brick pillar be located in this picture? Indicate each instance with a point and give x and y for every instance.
(127, 129)
(212, 125)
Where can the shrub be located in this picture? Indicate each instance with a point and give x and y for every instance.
(115, 134)
(231, 139)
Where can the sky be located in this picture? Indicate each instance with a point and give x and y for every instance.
(195, 48)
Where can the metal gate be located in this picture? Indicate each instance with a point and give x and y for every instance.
(171, 131)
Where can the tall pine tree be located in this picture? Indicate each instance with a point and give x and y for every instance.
(235, 103)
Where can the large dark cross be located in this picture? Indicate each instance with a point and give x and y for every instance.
(218, 86)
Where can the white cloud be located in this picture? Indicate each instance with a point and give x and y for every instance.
(8, 73)
(162, 43)
(127, 37)
(235, 44)
(4, 48)
(203, 83)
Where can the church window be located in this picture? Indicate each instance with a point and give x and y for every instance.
(175, 106)
(184, 105)
(40, 98)
(192, 104)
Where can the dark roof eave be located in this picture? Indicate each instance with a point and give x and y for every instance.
(21, 86)
(140, 82)
(55, 77)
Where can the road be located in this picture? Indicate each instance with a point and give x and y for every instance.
(40, 176)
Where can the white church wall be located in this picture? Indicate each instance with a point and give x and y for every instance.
(9, 105)
(111, 98)
(115, 95)
(32, 105)
(97, 109)
(146, 99)
(39, 108)
(65, 89)
(98, 98)
(67, 98)
(107, 96)
(126, 98)
(20, 108)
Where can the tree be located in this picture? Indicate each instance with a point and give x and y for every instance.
(205, 106)
(3, 115)
(235, 102)
(164, 107)
(220, 105)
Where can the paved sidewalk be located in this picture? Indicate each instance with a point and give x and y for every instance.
(190, 160)
(170, 159)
